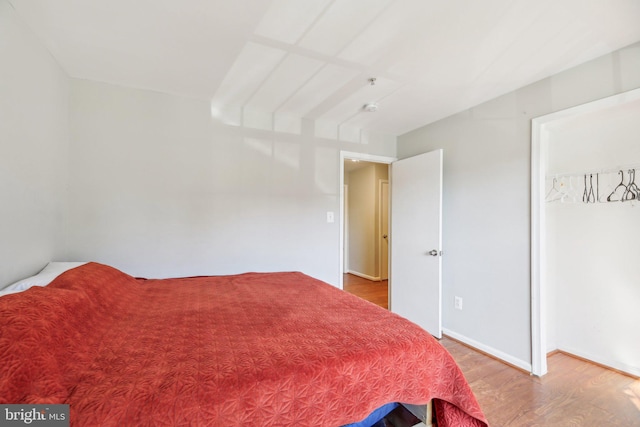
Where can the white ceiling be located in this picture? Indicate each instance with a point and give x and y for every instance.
(313, 58)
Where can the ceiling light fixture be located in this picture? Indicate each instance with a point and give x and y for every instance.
(371, 107)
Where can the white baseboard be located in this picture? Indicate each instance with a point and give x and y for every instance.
(364, 276)
(489, 350)
(615, 364)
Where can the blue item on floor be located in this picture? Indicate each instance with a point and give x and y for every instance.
(375, 416)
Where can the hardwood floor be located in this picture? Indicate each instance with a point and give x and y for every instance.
(573, 393)
(375, 292)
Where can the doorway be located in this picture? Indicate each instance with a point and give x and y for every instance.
(599, 140)
(415, 266)
(373, 256)
(366, 230)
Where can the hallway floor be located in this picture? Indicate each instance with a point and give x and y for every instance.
(375, 292)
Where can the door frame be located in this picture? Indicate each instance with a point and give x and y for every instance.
(539, 159)
(348, 155)
(345, 230)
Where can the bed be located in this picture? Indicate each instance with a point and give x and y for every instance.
(269, 349)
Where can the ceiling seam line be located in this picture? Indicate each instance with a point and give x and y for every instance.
(295, 92)
(315, 22)
(267, 77)
(364, 28)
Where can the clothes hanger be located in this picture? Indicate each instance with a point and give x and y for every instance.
(554, 194)
(632, 192)
(588, 196)
(621, 185)
(635, 187)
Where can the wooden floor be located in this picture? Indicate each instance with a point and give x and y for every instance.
(573, 393)
(375, 292)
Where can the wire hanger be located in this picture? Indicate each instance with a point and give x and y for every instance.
(635, 187)
(632, 192)
(615, 190)
(554, 194)
(588, 196)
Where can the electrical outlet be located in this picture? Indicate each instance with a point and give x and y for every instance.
(458, 303)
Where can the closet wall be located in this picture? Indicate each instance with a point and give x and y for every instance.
(593, 249)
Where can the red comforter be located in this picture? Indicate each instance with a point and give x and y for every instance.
(272, 349)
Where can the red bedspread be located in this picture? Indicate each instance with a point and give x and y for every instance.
(271, 349)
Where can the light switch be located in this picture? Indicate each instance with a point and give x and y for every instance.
(330, 217)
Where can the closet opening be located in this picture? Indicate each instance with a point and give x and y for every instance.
(585, 200)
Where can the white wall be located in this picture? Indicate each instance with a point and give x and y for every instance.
(486, 200)
(160, 188)
(33, 151)
(593, 249)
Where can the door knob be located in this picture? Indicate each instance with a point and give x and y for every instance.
(433, 252)
(384, 236)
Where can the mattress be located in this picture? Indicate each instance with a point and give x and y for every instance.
(272, 349)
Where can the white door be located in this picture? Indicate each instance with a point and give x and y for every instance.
(416, 240)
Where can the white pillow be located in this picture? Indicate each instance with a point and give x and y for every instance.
(46, 276)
